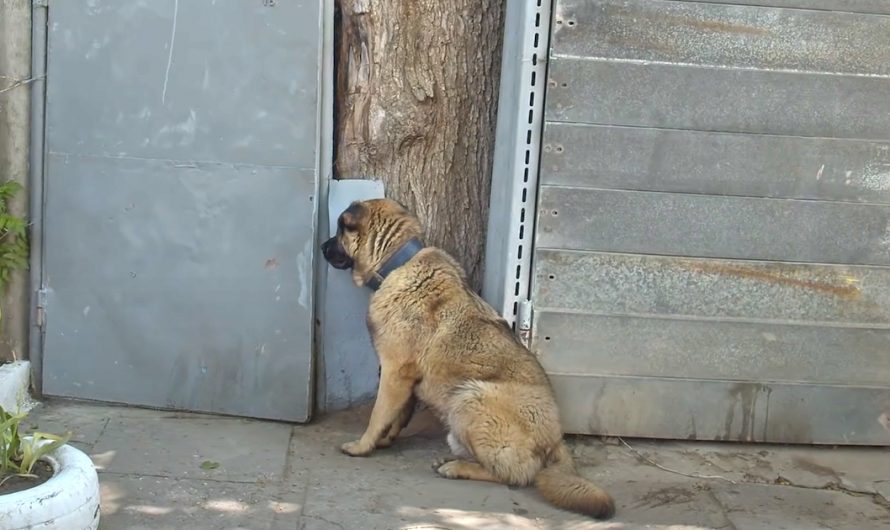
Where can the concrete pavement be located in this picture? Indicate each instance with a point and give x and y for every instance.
(165, 470)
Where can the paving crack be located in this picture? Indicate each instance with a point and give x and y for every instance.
(286, 484)
(876, 497)
(198, 479)
(102, 431)
(320, 518)
(723, 509)
(302, 510)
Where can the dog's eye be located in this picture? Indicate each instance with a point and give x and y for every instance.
(343, 227)
(348, 221)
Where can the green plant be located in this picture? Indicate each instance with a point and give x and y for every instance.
(18, 454)
(13, 235)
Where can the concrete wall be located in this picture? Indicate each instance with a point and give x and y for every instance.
(15, 67)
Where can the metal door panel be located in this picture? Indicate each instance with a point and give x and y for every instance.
(748, 165)
(673, 346)
(700, 409)
(704, 34)
(219, 81)
(713, 226)
(180, 204)
(603, 283)
(852, 6)
(160, 291)
(712, 231)
(717, 99)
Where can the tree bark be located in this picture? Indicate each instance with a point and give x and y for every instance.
(15, 139)
(416, 105)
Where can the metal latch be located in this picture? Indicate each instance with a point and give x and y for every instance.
(524, 321)
(41, 307)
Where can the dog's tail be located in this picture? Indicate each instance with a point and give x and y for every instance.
(561, 484)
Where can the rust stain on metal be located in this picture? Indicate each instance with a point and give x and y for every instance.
(746, 395)
(707, 25)
(645, 42)
(848, 290)
(726, 27)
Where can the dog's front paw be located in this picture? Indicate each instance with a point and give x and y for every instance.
(356, 448)
(448, 468)
(441, 466)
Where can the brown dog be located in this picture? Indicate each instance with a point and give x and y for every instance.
(440, 342)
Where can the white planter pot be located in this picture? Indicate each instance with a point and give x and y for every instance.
(67, 501)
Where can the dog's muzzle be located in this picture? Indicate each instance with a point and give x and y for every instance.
(335, 254)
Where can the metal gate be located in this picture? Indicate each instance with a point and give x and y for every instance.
(180, 212)
(712, 236)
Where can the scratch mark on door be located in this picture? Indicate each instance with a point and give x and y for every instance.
(170, 55)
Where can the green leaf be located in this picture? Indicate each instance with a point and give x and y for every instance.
(35, 448)
(209, 464)
(14, 248)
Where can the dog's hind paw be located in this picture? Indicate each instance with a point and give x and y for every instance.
(356, 448)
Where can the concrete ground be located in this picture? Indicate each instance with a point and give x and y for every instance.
(163, 470)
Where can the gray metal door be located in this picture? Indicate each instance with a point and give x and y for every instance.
(712, 254)
(180, 206)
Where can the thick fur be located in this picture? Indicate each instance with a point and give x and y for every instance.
(439, 342)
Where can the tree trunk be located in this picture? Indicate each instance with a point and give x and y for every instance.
(416, 102)
(15, 138)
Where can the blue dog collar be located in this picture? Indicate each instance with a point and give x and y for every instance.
(401, 257)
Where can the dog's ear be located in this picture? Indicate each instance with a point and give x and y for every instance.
(349, 219)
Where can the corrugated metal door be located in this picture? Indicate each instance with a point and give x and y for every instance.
(713, 232)
(180, 211)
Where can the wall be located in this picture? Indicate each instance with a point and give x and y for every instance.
(15, 66)
(347, 364)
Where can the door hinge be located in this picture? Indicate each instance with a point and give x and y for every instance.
(41, 308)
(524, 321)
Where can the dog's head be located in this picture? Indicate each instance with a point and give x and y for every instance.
(368, 233)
